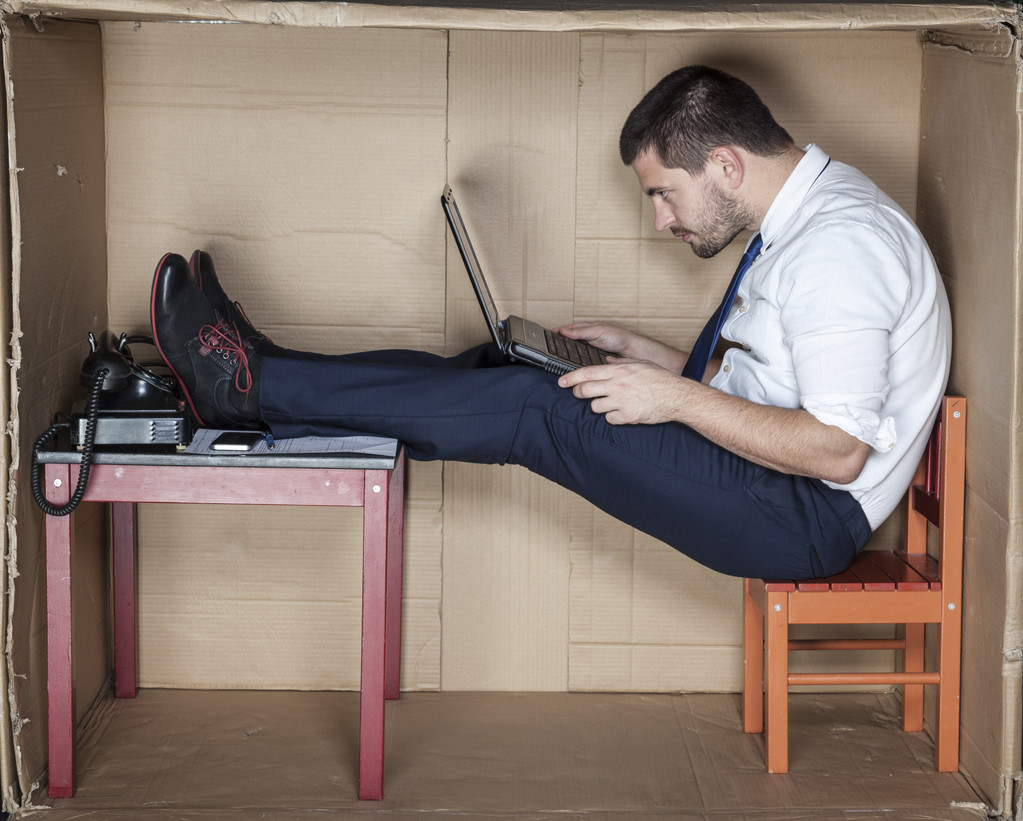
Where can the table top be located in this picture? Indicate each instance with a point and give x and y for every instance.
(346, 452)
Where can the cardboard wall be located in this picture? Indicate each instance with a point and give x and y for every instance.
(969, 197)
(261, 158)
(301, 161)
(59, 276)
(309, 162)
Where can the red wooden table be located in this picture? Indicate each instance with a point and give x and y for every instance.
(373, 482)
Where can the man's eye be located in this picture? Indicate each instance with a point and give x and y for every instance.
(663, 195)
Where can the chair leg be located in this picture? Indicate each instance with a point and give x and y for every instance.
(753, 662)
(946, 729)
(913, 694)
(776, 737)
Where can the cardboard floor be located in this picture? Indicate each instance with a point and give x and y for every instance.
(179, 755)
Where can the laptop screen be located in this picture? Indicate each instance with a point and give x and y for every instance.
(472, 263)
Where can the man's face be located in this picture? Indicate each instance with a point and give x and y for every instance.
(694, 208)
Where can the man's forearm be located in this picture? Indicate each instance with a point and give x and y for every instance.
(788, 440)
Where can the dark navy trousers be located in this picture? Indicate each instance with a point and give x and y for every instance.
(666, 480)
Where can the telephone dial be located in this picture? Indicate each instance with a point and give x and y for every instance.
(129, 404)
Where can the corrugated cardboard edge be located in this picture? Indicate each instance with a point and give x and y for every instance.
(632, 16)
(9, 752)
(1012, 637)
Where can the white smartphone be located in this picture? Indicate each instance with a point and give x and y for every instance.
(237, 441)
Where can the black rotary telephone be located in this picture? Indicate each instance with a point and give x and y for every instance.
(129, 405)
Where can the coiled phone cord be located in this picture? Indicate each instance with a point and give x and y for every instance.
(91, 413)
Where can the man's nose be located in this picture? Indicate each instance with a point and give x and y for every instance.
(663, 217)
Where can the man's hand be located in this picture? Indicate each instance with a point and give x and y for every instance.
(628, 391)
(625, 343)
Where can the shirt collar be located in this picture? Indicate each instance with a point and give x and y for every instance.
(792, 193)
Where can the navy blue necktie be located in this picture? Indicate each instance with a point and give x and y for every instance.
(708, 339)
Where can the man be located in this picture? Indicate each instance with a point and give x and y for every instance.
(779, 462)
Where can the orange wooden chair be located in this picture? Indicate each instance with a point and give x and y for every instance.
(905, 587)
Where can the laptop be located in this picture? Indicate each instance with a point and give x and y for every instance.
(519, 339)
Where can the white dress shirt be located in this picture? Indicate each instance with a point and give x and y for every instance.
(844, 314)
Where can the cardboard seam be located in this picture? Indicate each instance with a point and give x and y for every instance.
(11, 727)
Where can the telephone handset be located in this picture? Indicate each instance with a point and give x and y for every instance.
(129, 404)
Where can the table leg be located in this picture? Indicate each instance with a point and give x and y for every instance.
(374, 591)
(59, 670)
(122, 525)
(395, 545)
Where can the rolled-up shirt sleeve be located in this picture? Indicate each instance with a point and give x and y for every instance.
(841, 384)
(837, 319)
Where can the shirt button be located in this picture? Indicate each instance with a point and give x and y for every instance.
(742, 309)
(727, 368)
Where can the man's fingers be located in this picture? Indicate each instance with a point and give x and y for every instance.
(580, 376)
(591, 373)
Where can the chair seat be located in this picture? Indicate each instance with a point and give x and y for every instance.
(870, 570)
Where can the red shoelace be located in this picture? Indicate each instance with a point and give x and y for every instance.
(225, 340)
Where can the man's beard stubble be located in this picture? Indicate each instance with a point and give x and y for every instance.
(725, 218)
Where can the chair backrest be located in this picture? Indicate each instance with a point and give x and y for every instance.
(937, 494)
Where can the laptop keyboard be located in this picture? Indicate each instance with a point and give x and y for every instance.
(572, 350)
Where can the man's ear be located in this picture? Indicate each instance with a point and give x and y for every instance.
(727, 166)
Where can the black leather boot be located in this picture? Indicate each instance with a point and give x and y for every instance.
(230, 310)
(217, 371)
